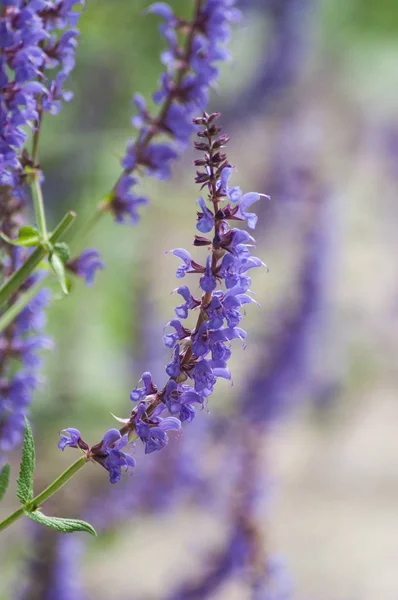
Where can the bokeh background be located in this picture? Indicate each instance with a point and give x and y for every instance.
(310, 102)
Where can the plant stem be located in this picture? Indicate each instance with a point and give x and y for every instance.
(38, 203)
(18, 278)
(81, 233)
(45, 494)
(14, 310)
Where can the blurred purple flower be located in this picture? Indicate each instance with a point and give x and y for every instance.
(86, 265)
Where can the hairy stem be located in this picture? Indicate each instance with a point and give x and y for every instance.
(45, 494)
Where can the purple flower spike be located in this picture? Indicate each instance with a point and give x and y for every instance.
(69, 437)
(86, 265)
(35, 38)
(191, 70)
(200, 352)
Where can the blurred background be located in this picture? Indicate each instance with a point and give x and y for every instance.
(291, 474)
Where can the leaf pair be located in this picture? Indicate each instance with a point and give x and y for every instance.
(25, 491)
(58, 254)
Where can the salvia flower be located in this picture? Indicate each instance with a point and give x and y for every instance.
(109, 454)
(22, 341)
(200, 354)
(35, 38)
(86, 265)
(69, 437)
(191, 69)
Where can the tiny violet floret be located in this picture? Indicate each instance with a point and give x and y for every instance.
(147, 389)
(86, 265)
(69, 437)
(109, 454)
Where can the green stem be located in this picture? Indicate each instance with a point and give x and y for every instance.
(38, 204)
(18, 278)
(19, 305)
(45, 494)
(83, 231)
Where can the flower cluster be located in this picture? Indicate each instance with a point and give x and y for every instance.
(288, 371)
(52, 569)
(191, 70)
(199, 354)
(35, 37)
(22, 340)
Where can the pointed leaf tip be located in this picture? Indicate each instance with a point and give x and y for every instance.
(4, 479)
(59, 269)
(27, 467)
(61, 524)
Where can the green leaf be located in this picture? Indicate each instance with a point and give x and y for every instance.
(4, 479)
(27, 467)
(60, 524)
(63, 251)
(27, 236)
(59, 269)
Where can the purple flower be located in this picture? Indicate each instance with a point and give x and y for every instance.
(200, 340)
(190, 302)
(200, 353)
(244, 203)
(233, 270)
(183, 89)
(224, 178)
(153, 434)
(86, 265)
(148, 388)
(124, 203)
(173, 368)
(110, 456)
(203, 377)
(187, 261)
(236, 242)
(25, 58)
(208, 282)
(205, 218)
(179, 399)
(20, 345)
(170, 339)
(69, 437)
